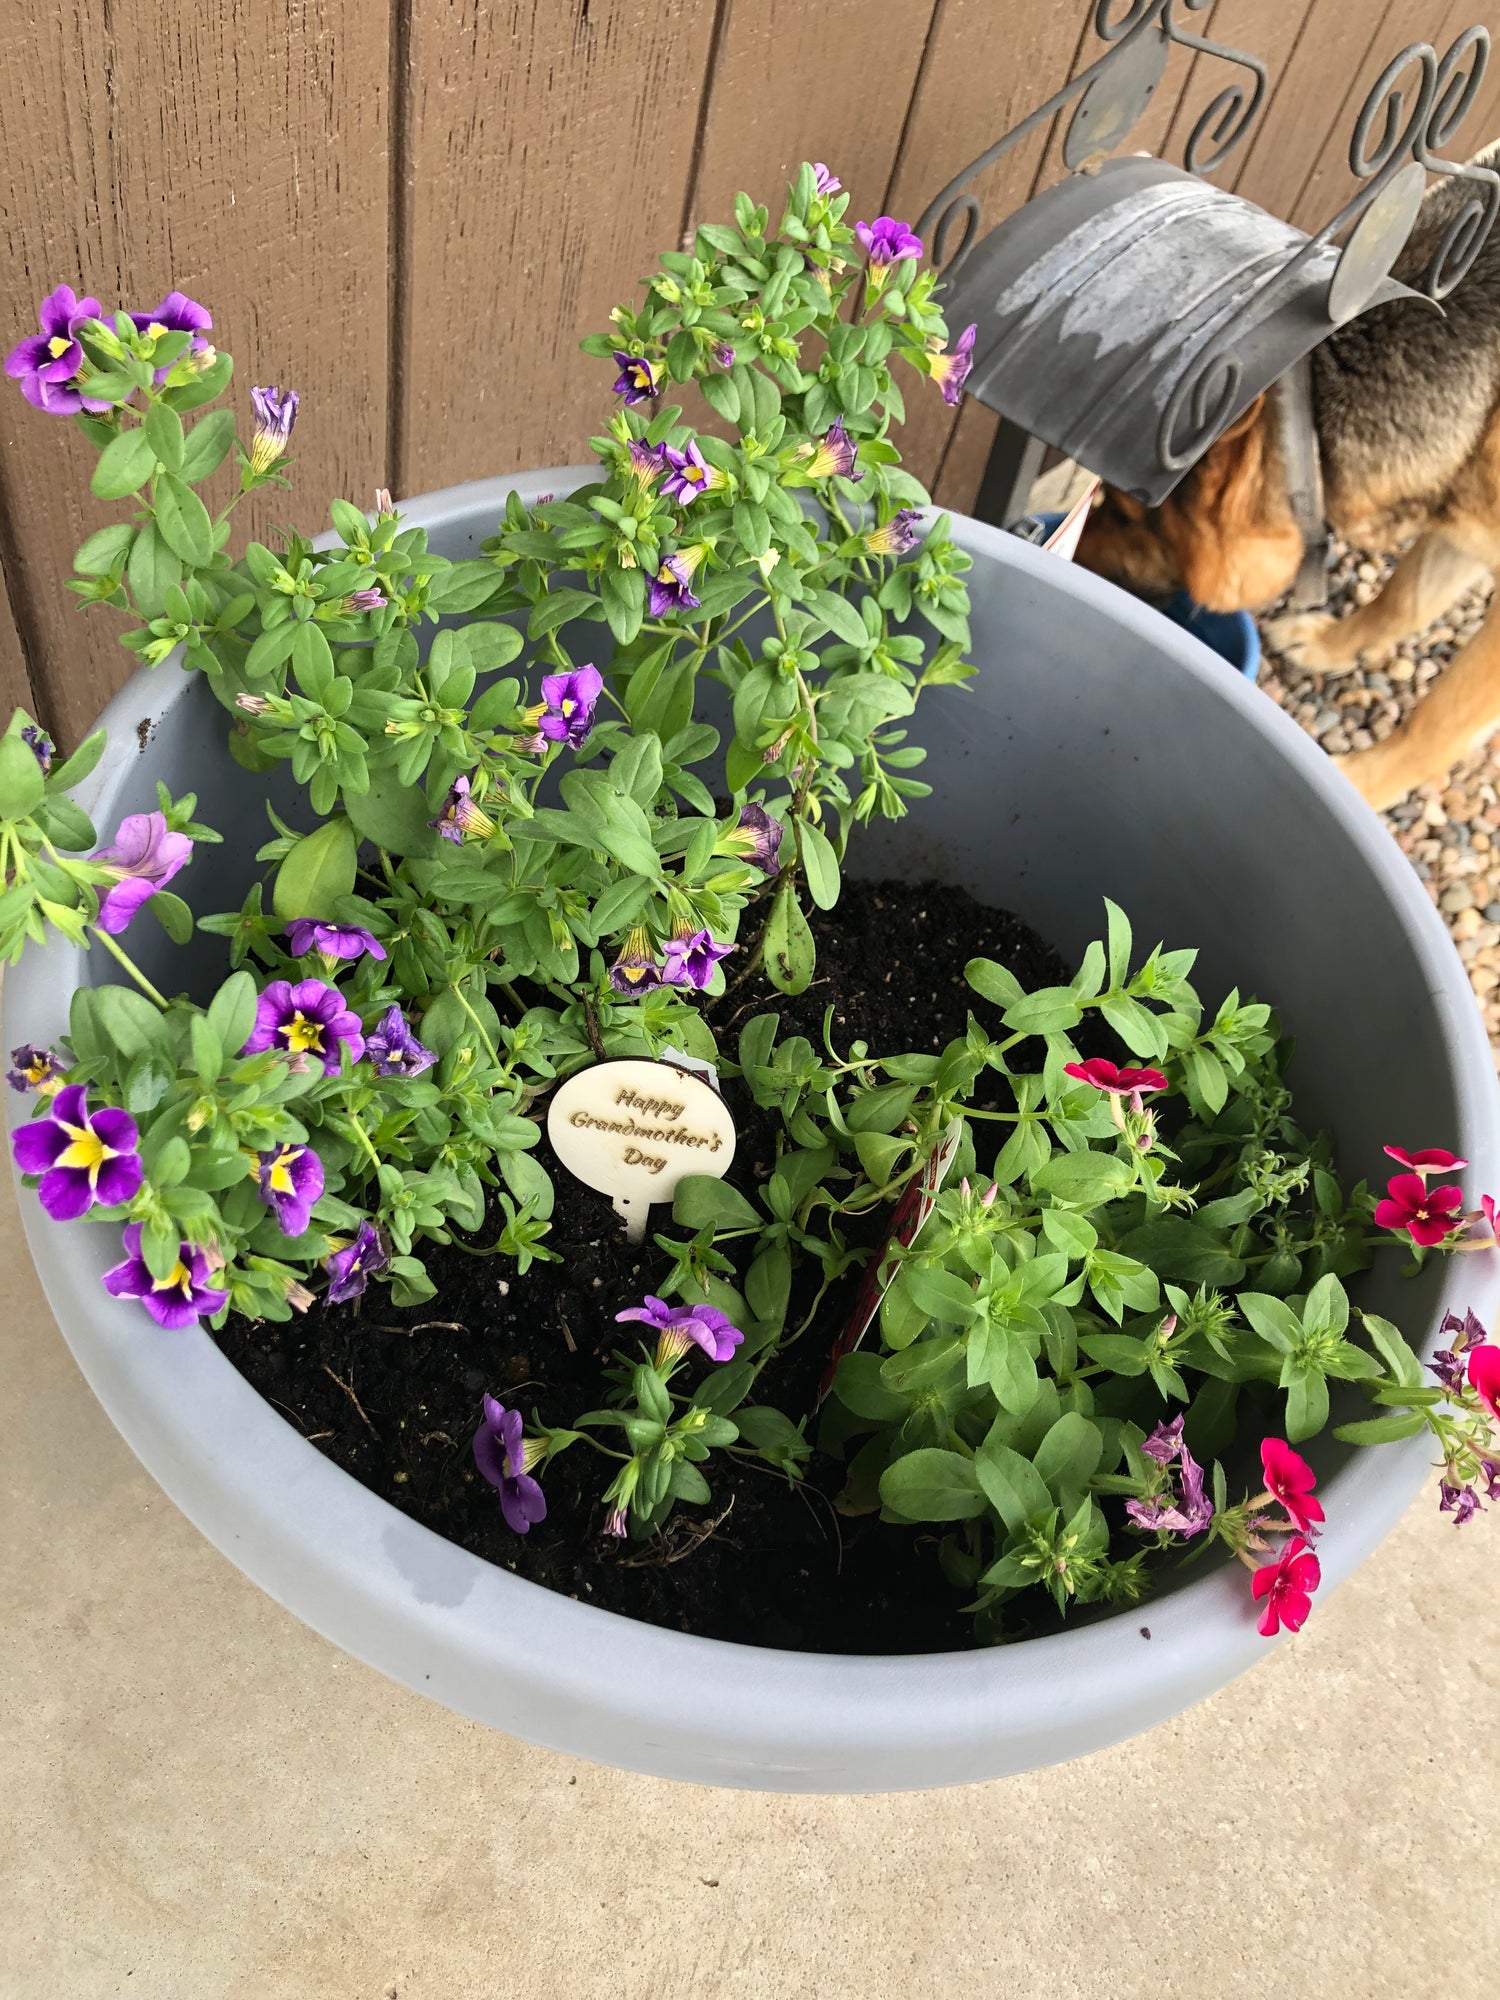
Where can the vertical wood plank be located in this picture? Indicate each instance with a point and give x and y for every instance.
(15, 679)
(1270, 29)
(550, 145)
(236, 151)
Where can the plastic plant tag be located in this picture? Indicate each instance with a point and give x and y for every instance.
(911, 1211)
(1065, 537)
(634, 1129)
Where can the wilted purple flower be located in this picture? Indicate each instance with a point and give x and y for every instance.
(569, 702)
(33, 1068)
(369, 599)
(1490, 1473)
(177, 1300)
(669, 589)
(647, 461)
(460, 816)
(394, 1049)
(308, 1019)
(951, 371)
(253, 704)
(177, 313)
(504, 1456)
(691, 957)
(143, 858)
(824, 180)
(41, 747)
(1462, 1502)
(1164, 1442)
(290, 1179)
(756, 836)
(47, 364)
(689, 474)
(83, 1157)
(275, 414)
(898, 537)
(639, 377)
(887, 241)
(723, 353)
(1195, 1510)
(832, 457)
(1448, 1366)
(637, 969)
(678, 1327)
(615, 1523)
(305, 934)
(351, 1269)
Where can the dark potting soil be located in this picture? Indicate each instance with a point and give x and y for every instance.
(394, 1396)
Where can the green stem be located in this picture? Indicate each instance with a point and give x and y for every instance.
(364, 1140)
(131, 967)
(489, 1047)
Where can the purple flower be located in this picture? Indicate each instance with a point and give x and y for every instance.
(42, 747)
(291, 1179)
(275, 414)
(832, 457)
(887, 241)
(639, 378)
(637, 969)
(394, 1049)
(677, 1327)
(690, 474)
(351, 1269)
(1462, 1502)
(461, 816)
(503, 1455)
(691, 958)
(177, 313)
(824, 181)
(951, 371)
(570, 700)
(647, 461)
(177, 1300)
(369, 599)
(615, 1522)
(1164, 1442)
(669, 589)
(1490, 1473)
(47, 364)
(898, 537)
(32, 1068)
(143, 858)
(305, 934)
(308, 1019)
(757, 836)
(723, 353)
(1195, 1510)
(83, 1157)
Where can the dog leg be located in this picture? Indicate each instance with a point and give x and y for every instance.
(1460, 711)
(1427, 579)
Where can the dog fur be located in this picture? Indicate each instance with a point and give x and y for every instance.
(1408, 418)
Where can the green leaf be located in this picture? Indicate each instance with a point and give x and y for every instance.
(932, 1485)
(1382, 1430)
(790, 953)
(207, 445)
(859, 1387)
(839, 615)
(702, 1202)
(183, 520)
(1176, 1248)
(1119, 943)
(994, 982)
(940, 1294)
(1011, 1483)
(22, 785)
(1052, 1011)
(128, 1020)
(318, 870)
(152, 570)
(174, 916)
(231, 1012)
(163, 428)
(1072, 1234)
(125, 464)
(820, 865)
(1327, 1307)
(1306, 1404)
(1391, 1346)
(1085, 1180)
(1273, 1319)
(80, 764)
(105, 550)
(393, 816)
(1068, 1456)
(208, 1050)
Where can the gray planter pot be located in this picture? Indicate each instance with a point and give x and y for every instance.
(1100, 751)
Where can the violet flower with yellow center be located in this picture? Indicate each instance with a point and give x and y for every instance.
(332, 942)
(41, 747)
(670, 589)
(505, 1456)
(951, 371)
(691, 956)
(680, 1327)
(308, 1019)
(394, 1049)
(177, 313)
(756, 836)
(143, 857)
(84, 1157)
(461, 817)
(833, 456)
(35, 1069)
(275, 413)
(639, 377)
(179, 1299)
(289, 1180)
(690, 474)
(568, 704)
(647, 462)
(352, 1265)
(886, 241)
(637, 969)
(897, 537)
(48, 365)
(825, 181)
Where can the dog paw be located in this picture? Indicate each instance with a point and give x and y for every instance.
(1309, 639)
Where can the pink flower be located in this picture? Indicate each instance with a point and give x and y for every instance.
(1428, 1215)
(1487, 1210)
(1290, 1479)
(1103, 1075)
(1484, 1376)
(1434, 1160)
(1287, 1586)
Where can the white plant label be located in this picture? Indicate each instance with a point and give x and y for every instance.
(633, 1130)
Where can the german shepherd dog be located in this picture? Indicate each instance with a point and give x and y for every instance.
(1407, 409)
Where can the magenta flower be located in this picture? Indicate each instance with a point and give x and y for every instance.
(669, 589)
(308, 1019)
(181, 1298)
(1434, 1160)
(394, 1049)
(1290, 1480)
(351, 1268)
(757, 836)
(331, 941)
(1163, 1510)
(290, 1180)
(83, 1157)
(833, 456)
(460, 816)
(951, 371)
(504, 1456)
(691, 957)
(679, 1327)
(689, 474)
(143, 858)
(639, 378)
(569, 703)
(825, 181)
(41, 746)
(275, 413)
(897, 537)
(1483, 1368)
(1105, 1076)
(33, 1068)
(886, 241)
(1287, 1586)
(1487, 1210)
(177, 313)
(47, 364)
(637, 969)
(1427, 1215)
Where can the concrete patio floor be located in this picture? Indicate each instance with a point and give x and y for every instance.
(201, 1800)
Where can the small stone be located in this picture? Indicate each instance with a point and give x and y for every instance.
(1401, 669)
(1457, 896)
(1326, 719)
(1336, 742)
(1361, 739)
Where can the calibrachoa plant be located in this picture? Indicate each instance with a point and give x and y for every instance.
(522, 846)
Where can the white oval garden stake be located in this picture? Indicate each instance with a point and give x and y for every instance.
(633, 1130)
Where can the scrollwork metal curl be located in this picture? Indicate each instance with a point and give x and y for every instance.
(1454, 90)
(1207, 395)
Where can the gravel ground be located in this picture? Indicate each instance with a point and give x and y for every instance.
(1449, 831)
